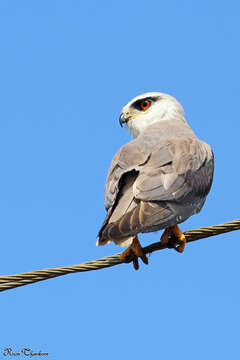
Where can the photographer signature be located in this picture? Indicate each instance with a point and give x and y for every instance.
(24, 351)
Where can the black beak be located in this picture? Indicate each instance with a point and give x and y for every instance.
(123, 119)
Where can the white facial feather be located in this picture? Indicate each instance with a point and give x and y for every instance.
(165, 107)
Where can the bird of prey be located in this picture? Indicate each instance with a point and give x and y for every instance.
(157, 180)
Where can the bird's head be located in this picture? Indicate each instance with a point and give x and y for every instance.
(148, 109)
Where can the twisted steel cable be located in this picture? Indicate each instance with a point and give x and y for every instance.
(12, 281)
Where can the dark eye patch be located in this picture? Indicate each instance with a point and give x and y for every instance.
(137, 103)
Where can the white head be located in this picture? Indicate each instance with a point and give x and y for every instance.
(149, 108)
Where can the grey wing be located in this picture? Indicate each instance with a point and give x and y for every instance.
(128, 158)
(118, 191)
(151, 190)
(124, 170)
(171, 193)
(184, 181)
(131, 157)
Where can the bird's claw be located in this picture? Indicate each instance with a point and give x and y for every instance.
(173, 238)
(133, 252)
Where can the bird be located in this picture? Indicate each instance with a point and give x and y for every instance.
(157, 180)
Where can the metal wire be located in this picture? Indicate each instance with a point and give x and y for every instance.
(12, 281)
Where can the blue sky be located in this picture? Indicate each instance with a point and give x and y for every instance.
(67, 68)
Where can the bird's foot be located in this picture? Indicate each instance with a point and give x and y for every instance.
(174, 238)
(133, 252)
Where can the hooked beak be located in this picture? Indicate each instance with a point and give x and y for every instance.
(123, 119)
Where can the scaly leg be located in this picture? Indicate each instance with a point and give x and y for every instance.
(179, 240)
(136, 251)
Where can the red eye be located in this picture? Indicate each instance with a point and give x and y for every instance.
(145, 104)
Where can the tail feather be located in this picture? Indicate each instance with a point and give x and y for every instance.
(145, 217)
(121, 230)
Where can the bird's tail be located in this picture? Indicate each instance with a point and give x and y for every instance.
(145, 217)
(121, 231)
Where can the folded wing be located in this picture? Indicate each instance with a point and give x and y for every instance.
(152, 186)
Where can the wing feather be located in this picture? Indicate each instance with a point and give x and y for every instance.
(128, 158)
(185, 173)
(150, 183)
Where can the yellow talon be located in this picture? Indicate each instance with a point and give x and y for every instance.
(176, 233)
(134, 250)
